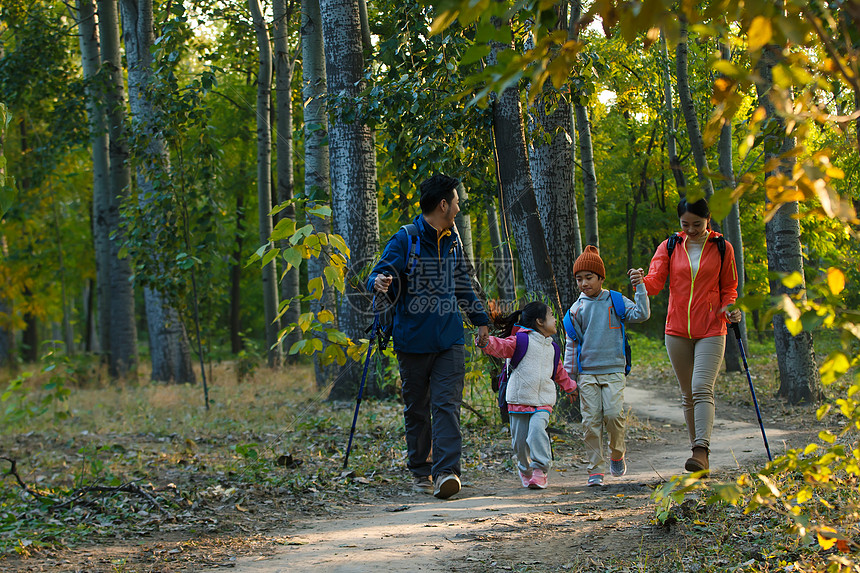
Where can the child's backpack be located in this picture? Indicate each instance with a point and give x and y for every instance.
(621, 312)
(500, 384)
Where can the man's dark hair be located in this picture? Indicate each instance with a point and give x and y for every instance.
(699, 208)
(436, 188)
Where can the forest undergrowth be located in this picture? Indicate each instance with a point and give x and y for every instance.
(148, 463)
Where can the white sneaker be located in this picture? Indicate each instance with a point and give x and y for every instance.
(446, 486)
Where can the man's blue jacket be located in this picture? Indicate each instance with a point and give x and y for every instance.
(428, 300)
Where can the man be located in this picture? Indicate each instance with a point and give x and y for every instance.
(424, 272)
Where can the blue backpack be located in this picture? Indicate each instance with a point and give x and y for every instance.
(413, 250)
(621, 312)
(500, 385)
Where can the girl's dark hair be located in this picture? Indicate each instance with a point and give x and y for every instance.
(527, 317)
(699, 208)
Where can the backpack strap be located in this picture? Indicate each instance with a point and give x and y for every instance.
(556, 360)
(413, 250)
(673, 240)
(571, 333)
(520, 350)
(621, 312)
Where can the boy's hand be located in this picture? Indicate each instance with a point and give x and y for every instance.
(636, 276)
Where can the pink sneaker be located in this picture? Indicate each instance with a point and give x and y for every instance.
(525, 478)
(538, 480)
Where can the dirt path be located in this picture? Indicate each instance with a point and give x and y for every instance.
(565, 526)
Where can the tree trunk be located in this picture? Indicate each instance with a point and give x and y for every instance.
(671, 144)
(519, 204)
(577, 232)
(316, 156)
(284, 92)
(7, 335)
(589, 176)
(120, 336)
(236, 343)
(463, 222)
(550, 169)
(503, 262)
(264, 193)
(91, 63)
(353, 172)
(168, 340)
(798, 374)
(688, 109)
(732, 229)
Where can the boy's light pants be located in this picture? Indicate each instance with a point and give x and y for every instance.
(531, 442)
(602, 397)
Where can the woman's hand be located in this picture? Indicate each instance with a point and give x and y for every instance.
(734, 315)
(637, 276)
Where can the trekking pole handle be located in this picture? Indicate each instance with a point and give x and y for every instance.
(736, 327)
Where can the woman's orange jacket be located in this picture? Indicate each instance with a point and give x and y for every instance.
(695, 304)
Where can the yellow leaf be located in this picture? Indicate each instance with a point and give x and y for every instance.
(325, 316)
(827, 436)
(835, 280)
(760, 33)
(827, 537)
(793, 280)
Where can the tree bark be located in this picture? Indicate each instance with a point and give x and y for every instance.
(168, 340)
(732, 229)
(91, 63)
(519, 204)
(550, 169)
(463, 222)
(120, 339)
(264, 195)
(671, 143)
(285, 189)
(316, 157)
(589, 175)
(577, 232)
(688, 109)
(353, 172)
(236, 343)
(798, 374)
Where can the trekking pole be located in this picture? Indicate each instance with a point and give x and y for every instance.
(373, 330)
(737, 330)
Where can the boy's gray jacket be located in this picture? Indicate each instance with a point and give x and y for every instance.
(599, 329)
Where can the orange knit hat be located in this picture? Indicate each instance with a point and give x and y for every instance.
(590, 260)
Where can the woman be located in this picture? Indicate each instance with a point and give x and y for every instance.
(703, 281)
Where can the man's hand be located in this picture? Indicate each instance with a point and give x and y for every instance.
(483, 336)
(382, 282)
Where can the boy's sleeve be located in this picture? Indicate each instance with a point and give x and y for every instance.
(658, 271)
(392, 261)
(638, 311)
(728, 278)
(570, 351)
(501, 347)
(562, 379)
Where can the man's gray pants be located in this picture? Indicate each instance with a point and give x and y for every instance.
(432, 386)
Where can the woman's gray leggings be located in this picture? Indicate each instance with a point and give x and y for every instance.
(696, 363)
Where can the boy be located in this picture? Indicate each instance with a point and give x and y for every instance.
(601, 361)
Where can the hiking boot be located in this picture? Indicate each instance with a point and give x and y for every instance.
(446, 486)
(699, 461)
(525, 477)
(617, 467)
(422, 484)
(595, 480)
(538, 480)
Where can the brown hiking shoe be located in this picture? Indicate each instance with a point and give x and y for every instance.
(699, 461)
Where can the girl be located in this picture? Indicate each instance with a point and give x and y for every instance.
(534, 370)
(703, 282)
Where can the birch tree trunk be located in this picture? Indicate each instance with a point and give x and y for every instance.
(91, 63)
(168, 340)
(264, 169)
(671, 132)
(688, 109)
(316, 155)
(577, 232)
(732, 229)
(284, 92)
(798, 374)
(121, 337)
(502, 261)
(353, 171)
